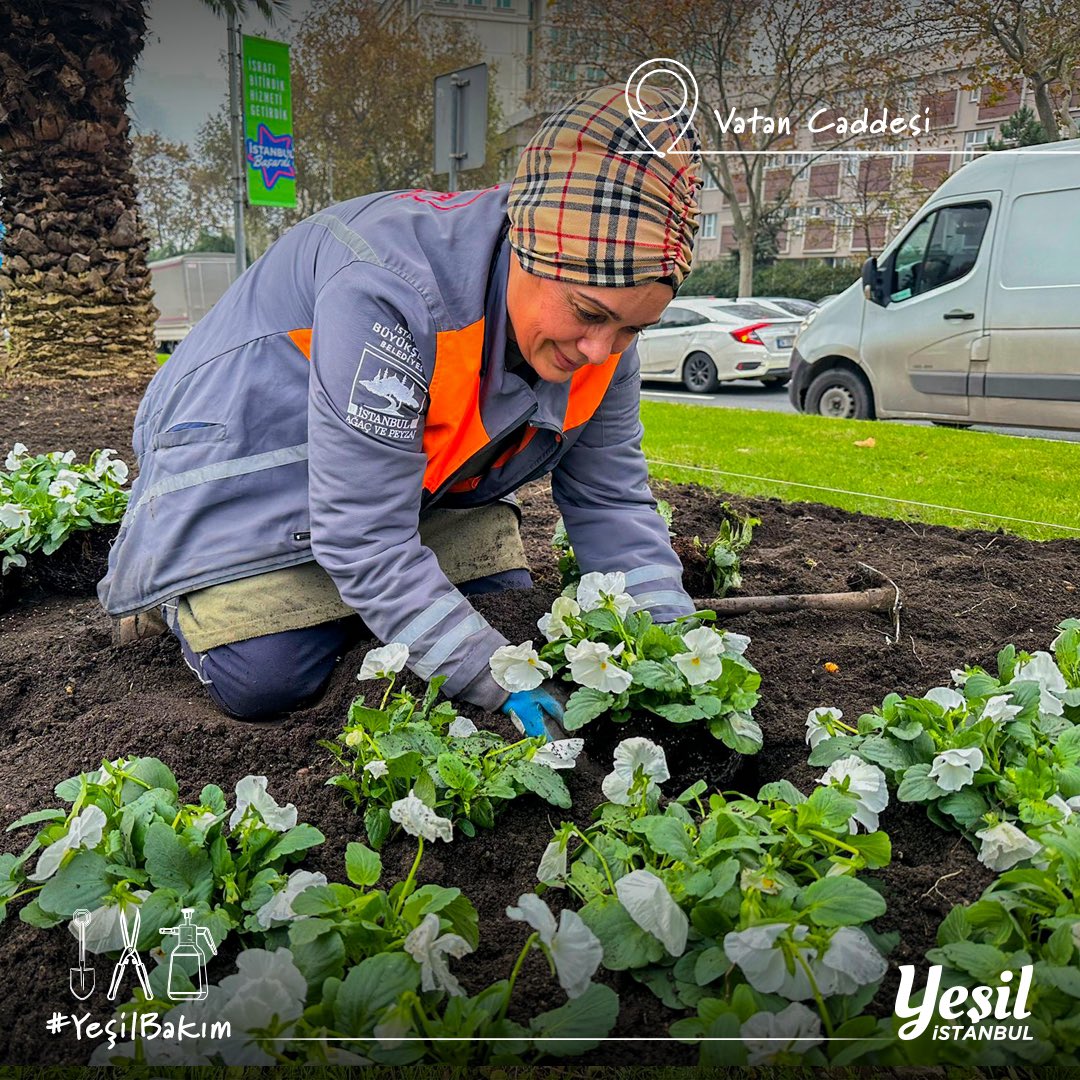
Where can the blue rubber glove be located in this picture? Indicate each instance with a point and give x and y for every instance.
(537, 712)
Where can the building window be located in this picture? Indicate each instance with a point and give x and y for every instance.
(796, 160)
(474, 3)
(975, 142)
(851, 165)
(708, 227)
(505, 5)
(975, 97)
(710, 182)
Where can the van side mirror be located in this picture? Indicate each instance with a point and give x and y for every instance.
(873, 286)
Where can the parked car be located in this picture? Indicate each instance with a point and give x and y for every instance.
(971, 315)
(703, 342)
(790, 305)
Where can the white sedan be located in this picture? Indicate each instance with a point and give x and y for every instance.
(704, 342)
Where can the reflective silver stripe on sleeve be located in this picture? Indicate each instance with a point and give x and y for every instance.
(650, 572)
(340, 231)
(660, 599)
(427, 620)
(221, 470)
(436, 656)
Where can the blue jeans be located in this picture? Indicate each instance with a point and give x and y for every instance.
(265, 676)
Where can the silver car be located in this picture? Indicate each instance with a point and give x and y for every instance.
(704, 342)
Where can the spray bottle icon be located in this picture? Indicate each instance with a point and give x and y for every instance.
(188, 949)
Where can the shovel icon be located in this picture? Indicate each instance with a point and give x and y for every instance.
(81, 978)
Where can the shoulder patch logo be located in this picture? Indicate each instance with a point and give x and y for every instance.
(386, 399)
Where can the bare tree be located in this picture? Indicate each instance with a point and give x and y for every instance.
(764, 68)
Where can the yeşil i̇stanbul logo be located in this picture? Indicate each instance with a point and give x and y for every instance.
(982, 1013)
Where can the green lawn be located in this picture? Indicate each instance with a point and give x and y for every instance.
(975, 473)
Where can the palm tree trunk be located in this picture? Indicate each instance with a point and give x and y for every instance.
(76, 289)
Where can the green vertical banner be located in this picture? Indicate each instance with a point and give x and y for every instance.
(268, 132)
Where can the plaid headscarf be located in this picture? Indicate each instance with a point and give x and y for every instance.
(588, 207)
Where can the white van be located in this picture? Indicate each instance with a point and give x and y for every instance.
(971, 315)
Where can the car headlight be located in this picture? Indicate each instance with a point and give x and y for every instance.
(809, 319)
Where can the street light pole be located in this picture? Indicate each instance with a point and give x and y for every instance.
(236, 125)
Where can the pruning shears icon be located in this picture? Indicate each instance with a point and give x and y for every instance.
(130, 956)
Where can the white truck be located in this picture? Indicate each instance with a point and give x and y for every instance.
(971, 315)
(185, 288)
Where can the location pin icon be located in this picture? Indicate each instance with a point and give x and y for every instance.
(639, 112)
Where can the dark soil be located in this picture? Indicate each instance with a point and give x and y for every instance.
(68, 698)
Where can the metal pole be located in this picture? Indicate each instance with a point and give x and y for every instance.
(455, 100)
(236, 118)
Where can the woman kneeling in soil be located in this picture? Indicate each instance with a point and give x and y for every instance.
(341, 433)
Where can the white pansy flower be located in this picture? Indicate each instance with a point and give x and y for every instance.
(592, 665)
(12, 560)
(279, 908)
(763, 962)
(65, 486)
(819, 723)
(85, 831)
(1065, 807)
(793, 1030)
(1042, 668)
(998, 709)
(430, 951)
(850, 962)
(268, 989)
(600, 590)
(383, 662)
(552, 867)
(553, 624)
(56, 458)
(734, 644)
(703, 662)
(560, 754)
(15, 457)
(946, 697)
(116, 470)
(251, 792)
(518, 667)
(959, 676)
(104, 932)
(631, 755)
(575, 950)
(867, 782)
(461, 728)
(649, 904)
(418, 819)
(1004, 845)
(955, 769)
(763, 880)
(376, 768)
(13, 516)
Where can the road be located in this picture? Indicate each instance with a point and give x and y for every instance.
(750, 394)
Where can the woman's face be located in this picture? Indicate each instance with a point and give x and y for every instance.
(560, 327)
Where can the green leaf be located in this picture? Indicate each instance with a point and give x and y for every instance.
(371, 987)
(377, 825)
(626, 945)
(699, 787)
(362, 866)
(710, 965)
(542, 781)
(666, 836)
(456, 773)
(318, 957)
(679, 714)
(300, 837)
(875, 848)
(892, 755)
(829, 750)
(916, 785)
(213, 798)
(984, 962)
(1066, 979)
(826, 806)
(584, 705)
(782, 790)
(35, 816)
(152, 773)
(841, 901)
(657, 676)
(82, 883)
(966, 806)
(580, 1024)
(33, 914)
(424, 789)
(175, 864)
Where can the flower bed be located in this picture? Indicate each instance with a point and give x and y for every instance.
(67, 701)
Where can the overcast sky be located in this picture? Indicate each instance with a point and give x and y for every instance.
(181, 76)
